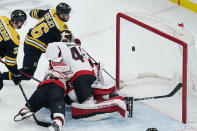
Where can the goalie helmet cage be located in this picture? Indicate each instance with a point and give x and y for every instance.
(156, 48)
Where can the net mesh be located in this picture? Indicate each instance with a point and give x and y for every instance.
(145, 54)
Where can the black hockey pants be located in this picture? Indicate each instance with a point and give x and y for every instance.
(48, 95)
(82, 87)
(30, 61)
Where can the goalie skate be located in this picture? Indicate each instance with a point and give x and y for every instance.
(129, 104)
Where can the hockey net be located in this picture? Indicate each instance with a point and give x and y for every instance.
(150, 48)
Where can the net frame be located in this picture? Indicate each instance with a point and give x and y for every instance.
(162, 34)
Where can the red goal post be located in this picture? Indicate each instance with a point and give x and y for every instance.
(139, 20)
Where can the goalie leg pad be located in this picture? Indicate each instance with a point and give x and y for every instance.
(103, 89)
(100, 110)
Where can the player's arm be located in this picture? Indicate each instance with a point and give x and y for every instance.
(52, 51)
(10, 57)
(11, 62)
(38, 13)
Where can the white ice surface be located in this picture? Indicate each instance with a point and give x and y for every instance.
(93, 21)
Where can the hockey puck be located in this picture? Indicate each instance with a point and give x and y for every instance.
(133, 48)
(151, 129)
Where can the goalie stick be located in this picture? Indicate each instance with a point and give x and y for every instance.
(129, 100)
(40, 123)
(176, 89)
(97, 63)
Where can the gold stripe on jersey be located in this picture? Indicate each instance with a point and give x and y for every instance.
(59, 23)
(7, 31)
(1, 57)
(10, 61)
(1, 38)
(36, 14)
(36, 43)
(32, 13)
(9, 75)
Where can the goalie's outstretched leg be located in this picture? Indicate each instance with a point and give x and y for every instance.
(100, 110)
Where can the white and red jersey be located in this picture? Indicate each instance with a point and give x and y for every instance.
(72, 55)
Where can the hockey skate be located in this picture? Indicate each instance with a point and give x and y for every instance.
(24, 113)
(129, 103)
(54, 127)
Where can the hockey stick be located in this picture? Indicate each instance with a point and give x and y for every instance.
(179, 85)
(129, 100)
(121, 81)
(29, 76)
(40, 123)
(97, 63)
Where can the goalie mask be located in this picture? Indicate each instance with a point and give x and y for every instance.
(66, 36)
(60, 70)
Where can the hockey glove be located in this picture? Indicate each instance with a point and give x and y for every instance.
(99, 69)
(77, 41)
(16, 78)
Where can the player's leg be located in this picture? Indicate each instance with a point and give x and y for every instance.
(30, 61)
(1, 81)
(35, 103)
(82, 87)
(1, 76)
(57, 106)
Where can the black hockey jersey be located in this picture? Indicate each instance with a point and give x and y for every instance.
(48, 29)
(9, 42)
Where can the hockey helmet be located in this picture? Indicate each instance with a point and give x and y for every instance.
(66, 36)
(18, 16)
(63, 8)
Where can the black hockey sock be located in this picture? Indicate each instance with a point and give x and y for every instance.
(5, 76)
(1, 81)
